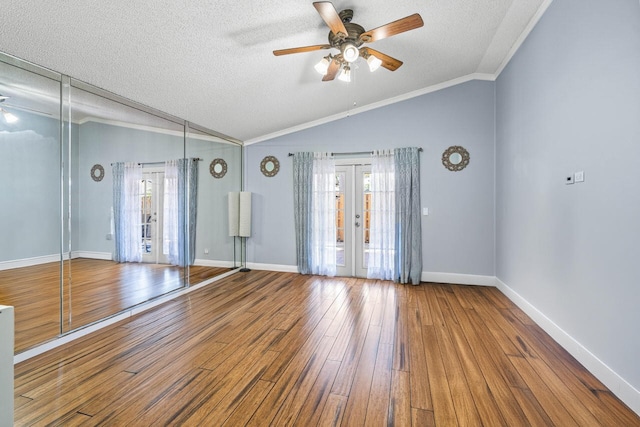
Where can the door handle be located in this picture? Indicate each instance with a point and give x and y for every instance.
(357, 224)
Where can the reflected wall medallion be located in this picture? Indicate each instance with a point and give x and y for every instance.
(455, 158)
(218, 168)
(270, 166)
(97, 173)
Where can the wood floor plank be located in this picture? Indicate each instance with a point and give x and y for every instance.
(418, 352)
(360, 392)
(400, 399)
(244, 411)
(289, 411)
(442, 404)
(239, 351)
(333, 411)
(311, 411)
(378, 407)
(466, 411)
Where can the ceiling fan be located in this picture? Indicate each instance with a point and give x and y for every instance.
(348, 37)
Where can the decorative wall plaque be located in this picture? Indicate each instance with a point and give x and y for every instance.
(97, 173)
(455, 158)
(218, 168)
(269, 166)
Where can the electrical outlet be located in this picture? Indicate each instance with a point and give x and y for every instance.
(206, 251)
(569, 179)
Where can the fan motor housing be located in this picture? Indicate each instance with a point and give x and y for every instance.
(353, 35)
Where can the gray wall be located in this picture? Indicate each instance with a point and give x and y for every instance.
(30, 187)
(458, 234)
(570, 101)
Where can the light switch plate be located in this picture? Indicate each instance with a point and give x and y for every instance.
(578, 176)
(425, 211)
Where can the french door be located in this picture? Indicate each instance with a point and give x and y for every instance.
(353, 204)
(151, 205)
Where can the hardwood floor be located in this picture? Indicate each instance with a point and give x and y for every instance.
(265, 348)
(98, 289)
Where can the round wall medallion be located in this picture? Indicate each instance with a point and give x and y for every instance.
(218, 168)
(97, 173)
(455, 158)
(269, 166)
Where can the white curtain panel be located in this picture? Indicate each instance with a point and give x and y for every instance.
(132, 214)
(383, 216)
(170, 243)
(323, 210)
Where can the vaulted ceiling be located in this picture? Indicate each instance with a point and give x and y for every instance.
(211, 62)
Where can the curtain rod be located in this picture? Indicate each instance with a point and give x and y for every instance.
(354, 152)
(197, 159)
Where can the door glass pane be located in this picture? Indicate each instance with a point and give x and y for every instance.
(340, 218)
(366, 220)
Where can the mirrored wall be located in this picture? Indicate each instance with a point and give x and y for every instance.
(106, 204)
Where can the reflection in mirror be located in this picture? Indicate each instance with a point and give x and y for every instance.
(30, 200)
(117, 258)
(69, 258)
(214, 253)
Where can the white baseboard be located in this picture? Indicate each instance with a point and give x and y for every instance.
(458, 279)
(45, 259)
(273, 267)
(213, 263)
(28, 262)
(618, 386)
(108, 256)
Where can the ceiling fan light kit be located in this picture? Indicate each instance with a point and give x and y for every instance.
(348, 37)
(8, 117)
(345, 75)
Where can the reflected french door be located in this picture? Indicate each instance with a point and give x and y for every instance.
(151, 205)
(353, 204)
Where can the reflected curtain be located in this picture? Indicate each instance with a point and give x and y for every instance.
(126, 210)
(315, 214)
(180, 211)
(170, 233)
(381, 260)
(408, 236)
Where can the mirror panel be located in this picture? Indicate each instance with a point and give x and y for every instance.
(30, 220)
(60, 221)
(104, 132)
(214, 247)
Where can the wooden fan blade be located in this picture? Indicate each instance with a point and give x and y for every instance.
(334, 67)
(388, 62)
(330, 16)
(301, 49)
(410, 22)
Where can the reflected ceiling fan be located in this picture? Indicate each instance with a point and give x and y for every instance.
(348, 37)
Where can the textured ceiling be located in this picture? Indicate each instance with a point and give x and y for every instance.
(211, 62)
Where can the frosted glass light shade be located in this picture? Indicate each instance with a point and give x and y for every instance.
(374, 63)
